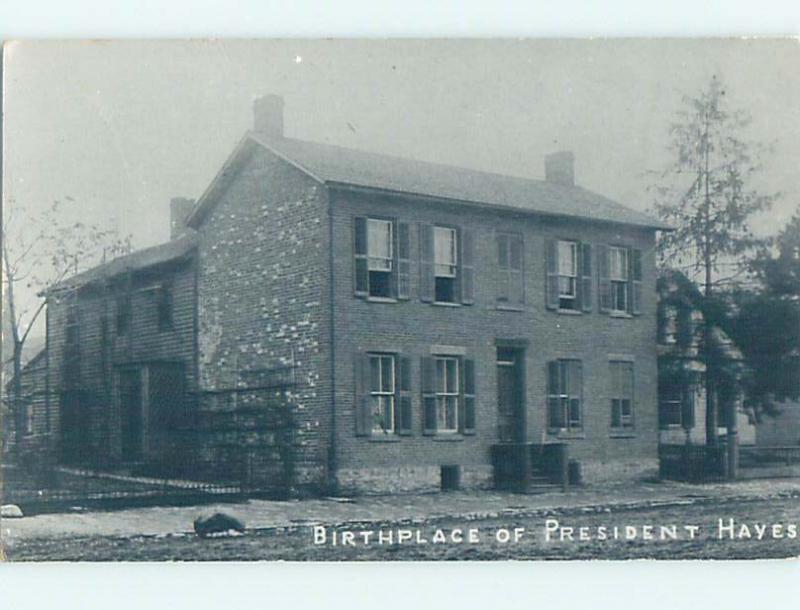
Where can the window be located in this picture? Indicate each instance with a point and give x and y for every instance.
(28, 418)
(445, 263)
(382, 392)
(568, 284)
(670, 328)
(671, 410)
(618, 273)
(380, 257)
(509, 267)
(164, 306)
(447, 394)
(123, 314)
(567, 274)
(621, 395)
(565, 391)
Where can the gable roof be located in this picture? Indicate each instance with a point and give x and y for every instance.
(140, 259)
(339, 166)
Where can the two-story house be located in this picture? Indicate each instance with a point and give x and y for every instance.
(121, 345)
(429, 312)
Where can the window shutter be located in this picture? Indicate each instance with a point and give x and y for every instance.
(467, 417)
(603, 278)
(687, 408)
(586, 276)
(360, 265)
(403, 253)
(467, 266)
(403, 412)
(362, 407)
(502, 280)
(426, 263)
(551, 284)
(554, 412)
(515, 255)
(636, 281)
(428, 372)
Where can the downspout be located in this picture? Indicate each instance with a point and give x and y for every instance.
(333, 460)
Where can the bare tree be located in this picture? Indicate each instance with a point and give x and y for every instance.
(39, 252)
(707, 195)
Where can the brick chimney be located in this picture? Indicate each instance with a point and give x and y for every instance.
(268, 115)
(559, 168)
(179, 210)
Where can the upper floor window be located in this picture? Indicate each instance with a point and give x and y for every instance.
(620, 279)
(446, 267)
(382, 258)
(564, 395)
(621, 374)
(569, 275)
(618, 274)
(445, 249)
(510, 288)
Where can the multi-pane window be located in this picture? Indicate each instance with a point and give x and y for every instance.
(619, 276)
(567, 274)
(380, 256)
(564, 395)
(621, 374)
(28, 418)
(447, 394)
(670, 329)
(509, 269)
(671, 410)
(382, 392)
(445, 251)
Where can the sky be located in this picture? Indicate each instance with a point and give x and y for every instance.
(121, 127)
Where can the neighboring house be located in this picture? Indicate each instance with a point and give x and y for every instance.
(426, 314)
(36, 419)
(682, 391)
(121, 344)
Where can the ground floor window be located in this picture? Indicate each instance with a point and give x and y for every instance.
(447, 394)
(621, 375)
(564, 395)
(382, 392)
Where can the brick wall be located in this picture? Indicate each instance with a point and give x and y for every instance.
(411, 327)
(262, 294)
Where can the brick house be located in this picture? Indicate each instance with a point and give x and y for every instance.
(428, 315)
(431, 312)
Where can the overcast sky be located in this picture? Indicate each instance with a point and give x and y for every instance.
(120, 127)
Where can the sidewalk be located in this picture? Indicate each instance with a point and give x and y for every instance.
(264, 514)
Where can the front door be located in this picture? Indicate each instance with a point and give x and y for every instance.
(510, 414)
(131, 414)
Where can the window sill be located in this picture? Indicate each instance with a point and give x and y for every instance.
(386, 438)
(448, 437)
(569, 312)
(504, 307)
(622, 434)
(445, 304)
(381, 300)
(620, 314)
(567, 434)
